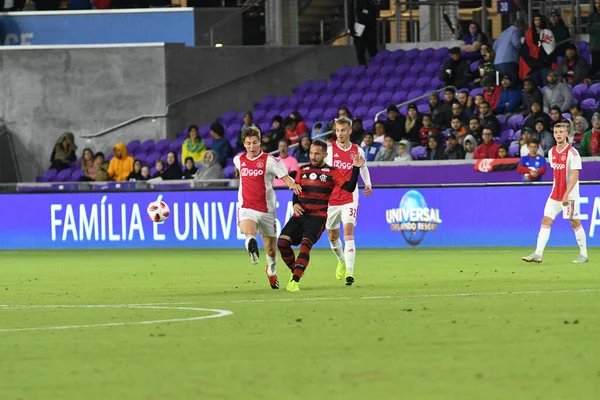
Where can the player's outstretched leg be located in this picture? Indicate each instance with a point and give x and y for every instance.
(287, 253)
(337, 247)
(301, 264)
(271, 255)
(349, 254)
(581, 241)
(543, 237)
(252, 247)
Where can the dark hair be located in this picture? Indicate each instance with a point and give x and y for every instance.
(320, 143)
(189, 159)
(575, 107)
(297, 116)
(534, 141)
(473, 118)
(138, 161)
(318, 125)
(192, 127)
(278, 119)
(503, 146)
(286, 141)
(99, 154)
(87, 149)
(487, 128)
(379, 123)
(449, 91)
(484, 102)
(455, 117)
(176, 162)
(426, 115)
(389, 136)
(289, 121)
(217, 128)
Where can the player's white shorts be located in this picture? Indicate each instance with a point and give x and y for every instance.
(267, 222)
(345, 214)
(554, 207)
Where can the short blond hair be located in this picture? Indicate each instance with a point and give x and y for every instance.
(343, 121)
(250, 131)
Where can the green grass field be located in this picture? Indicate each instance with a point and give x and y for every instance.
(418, 324)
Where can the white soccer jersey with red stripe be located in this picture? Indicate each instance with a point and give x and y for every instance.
(342, 159)
(256, 181)
(564, 163)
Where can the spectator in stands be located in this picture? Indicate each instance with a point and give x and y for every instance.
(121, 165)
(545, 138)
(470, 144)
(413, 124)
(301, 127)
(475, 106)
(160, 169)
(561, 33)
(380, 132)
(272, 138)
(590, 144)
(507, 48)
(455, 72)
(427, 130)
(555, 117)
(486, 65)
(388, 151)
(458, 129)
(527, 136)
(464, 99)
(474, 130)
(403, 155)
(64, 152)
(248, 122)
(445, 110)
(193, 146)
(581, 127)
(510, 98)
(531, 94)
(454, 151)
(503, 151)
(534, 61)
(535, 115)
(136, 174)
(87, 165)
(173, 170)
(358, 131)
(435, 151)
(370, 147)
(145, 173)
(488, 120)
(532, 165)
(557, 94)
(459, 112)
(302, 153)
(573, 69)
(488, 148)
(220, 144)
(317, 129)
(190, 169)
(210, 170)
(395, 125)
(434, 109)
(593, 28)
(362, 17)
(101, 167)
(491, 92)
(291, 164)
(290, 131)
(473, 39)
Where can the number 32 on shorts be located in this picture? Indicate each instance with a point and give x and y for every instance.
(352, 212)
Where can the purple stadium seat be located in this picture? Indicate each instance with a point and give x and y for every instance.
(384, 97)
(344, 71)
(374, 110)
(399, 97)
(296, 100)
(402, 69)
(287, 111)
(373, 71)
(422, 83)
(142, 156)
(588, 104)
(370, 97)
(566, 115)
(441, 53)
(379, 83)
(387, 70)
(403, 109)
(152, 171)
(393, 82)
(282, 101)
(50, 174)
(76, 175)
(595, 89)
(587, 95)
(418, 153)
(436, 83)
(582, 87)
(267, 101)
(258, 114)
(229, 172)
(41, 179)
(418, 67)
(63, 176)
(501, 118)
(316, 114)
(304, 110)
(507, 134)
(426, 54)
(147, 145)
(361, 112)
(475, 92)
(358, 71)
(515, 122)
(152, 158)
(204, 131)
(432, 69)
(397, 55)
(229, 116)
(311, 99)
(414, 94)
(363, 84)
(133, 146)
(319, 86)
(233, 143)
(330, 113)
(412, 54)
(334, 85)
(516, 136)
(352, 100)
(514, 150)
(162, 145)
(349, 84)
(407, 83)
(325, 99)
(231, 132)
(423, 108)
(368, 124)
(340, 99)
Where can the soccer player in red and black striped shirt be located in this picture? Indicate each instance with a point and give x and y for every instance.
(310, 208)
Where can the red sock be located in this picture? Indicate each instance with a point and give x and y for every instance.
(303, 259)
(287, 253)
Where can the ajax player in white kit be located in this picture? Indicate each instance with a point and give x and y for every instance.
(257, 201)
(566, 163)
(343, 206)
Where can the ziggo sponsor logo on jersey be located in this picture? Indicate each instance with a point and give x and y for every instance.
(252, 172)
(559, 166)
(342, 165)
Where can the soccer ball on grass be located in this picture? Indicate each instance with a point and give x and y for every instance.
(158, 211)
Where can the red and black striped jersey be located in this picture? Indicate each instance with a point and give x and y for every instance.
(317, 185)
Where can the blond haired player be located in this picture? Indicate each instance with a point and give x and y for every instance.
(566, 163)
(257, 201)
(343, 206)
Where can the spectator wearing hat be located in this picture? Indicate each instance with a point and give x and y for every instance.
(560, 31)
(531, 94)
(277, 132)
(557, 94)
(426, 130)
(413, 124)
(491, 92)
(581, 127)
(488, 148)
(593, 28)
(510, 98)
(473, 39)
(573, 69)
(453, 151)
(302, 153)
(536, 114)
(358, 131)
(435, 151)
(455, 72)
(370, 147)
(220, 144)
(248, 122)
(534, 60)
(395, 125)
(532, 165)
(590, 144)
(488, 120)
(507, 47)
(388, 151)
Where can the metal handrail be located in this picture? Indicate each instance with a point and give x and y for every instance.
(415, 99)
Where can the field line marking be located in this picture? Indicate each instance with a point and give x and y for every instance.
(218, 314)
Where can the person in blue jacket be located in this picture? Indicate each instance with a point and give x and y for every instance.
(510, 98)
(532, 166)
(370, 147)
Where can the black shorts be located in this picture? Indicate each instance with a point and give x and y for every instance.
(305, 226)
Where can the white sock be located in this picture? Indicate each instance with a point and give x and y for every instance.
(349, 253)
(543, 237)
(581, 240)
(248, 240)
(337, 249)
(272, 264)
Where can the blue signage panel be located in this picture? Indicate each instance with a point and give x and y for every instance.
(98, 27)
(392, 218)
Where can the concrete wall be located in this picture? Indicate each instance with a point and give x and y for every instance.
(241, 76)
(44, 92)
(226, 24)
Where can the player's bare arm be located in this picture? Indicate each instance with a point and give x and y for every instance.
(291, 184)
(572, 182)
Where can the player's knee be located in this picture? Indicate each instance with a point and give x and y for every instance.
(271, 252)
(547, 222)
(575, 223)
(283, 243)
(333, 235)
(307, 243)
(348, 230)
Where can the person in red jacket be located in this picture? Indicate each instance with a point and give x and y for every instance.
(491, 92)
(487, 149)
